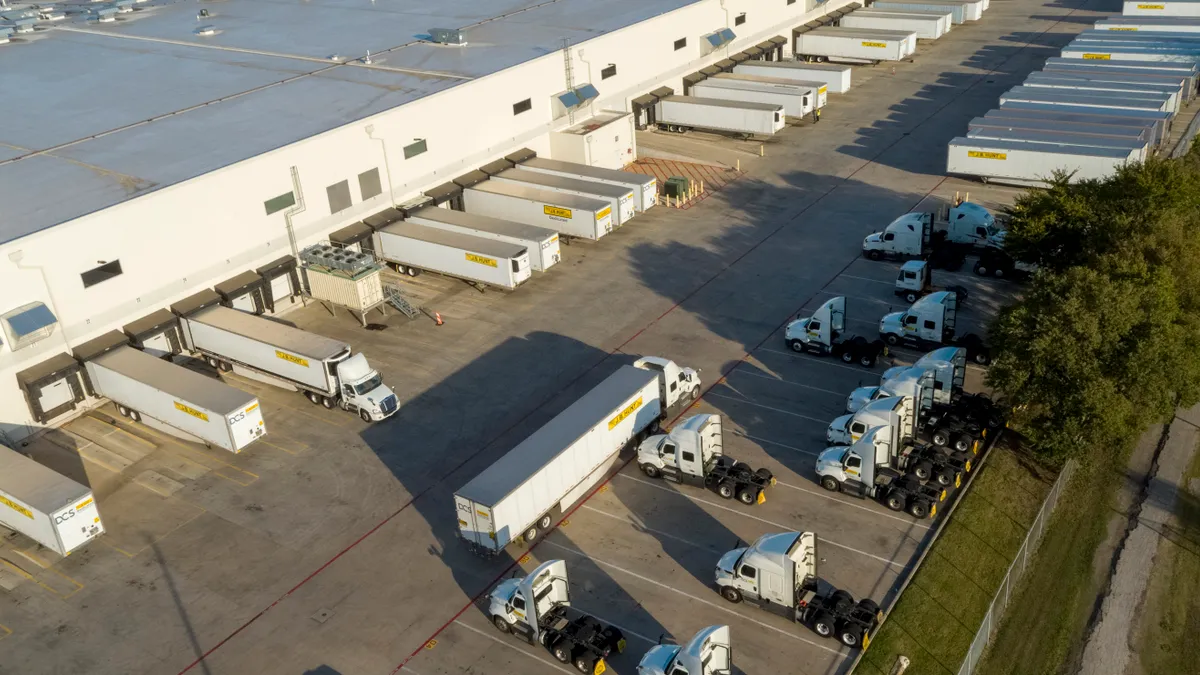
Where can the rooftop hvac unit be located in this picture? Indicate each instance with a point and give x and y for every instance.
(324, 255)
(447, 36)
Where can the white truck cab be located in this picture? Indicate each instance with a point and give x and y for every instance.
(949, 368)
(929, 320)
(675, 383)
(904, 236)
(916, 280)
(363, 390)
(824, 333)
(707, 653)
(846, 429)
(692, 453)
(912, 234)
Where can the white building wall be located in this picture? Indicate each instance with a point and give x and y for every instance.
(183, 238)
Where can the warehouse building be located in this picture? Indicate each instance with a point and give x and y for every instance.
(155, 149)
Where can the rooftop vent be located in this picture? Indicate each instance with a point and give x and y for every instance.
(574, 99)
(206, 30)
(447, 36)
(324, 255)
(106, 14)
(28, 324)
(4, 33)
(716, 40)
(124, 6)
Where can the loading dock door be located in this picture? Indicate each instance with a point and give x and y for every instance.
(52, 387)
(243, 292)
(157, 333)
(281, 283)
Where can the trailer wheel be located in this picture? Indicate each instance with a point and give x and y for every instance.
(874, 255)
(122, 410)
(940, 437)
(651, 471)
(501, 624)
(982, 357)
(313, 397)
(726, 489)
(982, 270)
(894, 502)
(731, 594)
(918, 509)
(923, 470)
(963, 442)
(850, 636)
(868, 605)
(910, 297)
(562, 650)
(585, 662)
(328, 402)
(135, 416)
(224, 366)
(796, 345)
(544, 522)
(211, 361)
(531, 533)
(830, 483)
(998, 272)
(747, 496)
(847, 355)
(823, 624)
(412, 271)
(866, 359)
(892, 339)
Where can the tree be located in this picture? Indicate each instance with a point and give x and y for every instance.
(1107, 340)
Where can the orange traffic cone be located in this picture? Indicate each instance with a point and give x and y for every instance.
(437, 319)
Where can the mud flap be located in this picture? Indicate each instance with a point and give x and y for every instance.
(762, 496)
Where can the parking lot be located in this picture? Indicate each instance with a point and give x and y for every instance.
(329, 547)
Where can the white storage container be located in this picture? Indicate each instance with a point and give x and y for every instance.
(558, 464)
(1160, 120)
(1137, 146)
(963, 11)
(359, 291)
(49, 508)
(927, 25)
(797, 101)
(1017, 163)
(834, 76)
(1157, 23)
(1085, 85)
(619, 197)
(485, 261)
(645, 188)
(681, 113)
(1093, 51)
(580, 217)
(1092, 70)
(909, 37)
(1095, 99)
(541, 242)
(818, 90)
(824, 44)
(1145, 134)
(1167, 8)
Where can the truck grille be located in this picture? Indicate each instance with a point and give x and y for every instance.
(388, 405)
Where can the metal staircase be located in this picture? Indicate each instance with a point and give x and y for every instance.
(395, 298)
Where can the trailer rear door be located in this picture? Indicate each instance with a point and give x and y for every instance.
(475, 523)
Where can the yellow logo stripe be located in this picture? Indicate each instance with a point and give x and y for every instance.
(874, 44)
(478, 259)
(620, 417)
(294, 359)
(191, 411)
(1097, 57)
(17, 507)
(987, 155)
(556, 212)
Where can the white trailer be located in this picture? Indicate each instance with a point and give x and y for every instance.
(832, 75)
(1092, 51)
(579, 217)
(1144, 134)
(926, 25)
(683, 113)
(1189, 70)
(1160, 120)
(797, 101)
(489, 262)
(619, 197)
(148, 389)
(645, 188)
(1148, 37)
(909, 37)
(822, 45)
(1017, 163)
(320, 367)
(1186, 81)
(1158, 23)
(1165, 8)
(963, 11)
(541, 242)
(819, 90)
(49, 508)
(518, 496)
(1097, 99)
(1086, 86)
(1139, 147)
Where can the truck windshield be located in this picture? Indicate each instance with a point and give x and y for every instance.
(992, 230)
(369, 384)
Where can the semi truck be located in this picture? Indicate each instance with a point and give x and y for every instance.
(517, 497)
(779, 571)
(541, 242)
(931, 323)
(819, 91)
(618, 197)
(645, 188)
(947, 364)
(999, 264)
(537, 608)
(861, 45)
(323, 369)
(692, 453)
(915, 281)
(684, 113)
(569, 215)
(868, 469)
(410, 247)
(709, 652)
(45, 506)
(942, 461)
(918, 234)
(160, 393)
(832, 75)
(797, 101)
(824, 333)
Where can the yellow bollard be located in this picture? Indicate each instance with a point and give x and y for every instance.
(701, 187)
(761, 151)
(739, 165)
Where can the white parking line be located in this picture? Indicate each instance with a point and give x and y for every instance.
(876, 281)
(785, 528)
(513, 647)
(765, 407)
(814, 453)
(854, 297)
(824, 494)
(739, 371)
(639, 526)
(817, 359)
(714, 605)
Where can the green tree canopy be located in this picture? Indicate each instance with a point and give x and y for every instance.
(1107, 338)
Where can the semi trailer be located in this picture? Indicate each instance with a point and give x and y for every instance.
(1025, 163)
(45, 506)
(868, 469)
(1160, 120)
(832, 75)
(961, 12)
(926, 25)
(537, 608)
(323, 369)
(645, 188)
(779, 571)
(796, 100)
(692, 453)
(1174, 9)
(569, 215)
(818, 91)
(411, 248)
(518, 496)
(824, 333)
(930, 323)
(1174, 24)
(1184, 83)
(1138, 149)
(708, 653)
(1086, 98)
(540, 242)
(920, 233)
(861, 45)
(619, 197)
(1096, 51)
(1143, 133)
(684, 113)
(1070, 82)
(159, 393)
(998, 264)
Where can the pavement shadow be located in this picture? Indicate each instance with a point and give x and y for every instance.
(322, 670)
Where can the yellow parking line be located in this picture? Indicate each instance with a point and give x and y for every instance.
(123, 430)
(279, 447)
(30, 577)
(116, 548)
(4, 631)
(201, 511)
(311, 416)
(180, 449)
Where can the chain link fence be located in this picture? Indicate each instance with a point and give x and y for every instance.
(991, 621)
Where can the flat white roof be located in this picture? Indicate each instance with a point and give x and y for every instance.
(99, 113)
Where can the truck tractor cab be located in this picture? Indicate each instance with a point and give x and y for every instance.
(868, 469)
(824, 333)
(674, 383)
(947, 363)
(362, 390)
(908, 235)
(971, 224)
(692, 453)
(915, 280)
(538, 608)
(930, 322)
(708, 653)
(847, 429)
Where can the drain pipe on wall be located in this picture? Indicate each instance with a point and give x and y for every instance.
(295, 209)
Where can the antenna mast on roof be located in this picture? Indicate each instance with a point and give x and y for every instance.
(566, 43)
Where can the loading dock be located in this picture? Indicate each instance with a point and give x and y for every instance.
(281, 283)
(156, 333)
(52, 387)
(243, 292)
(447, 193)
